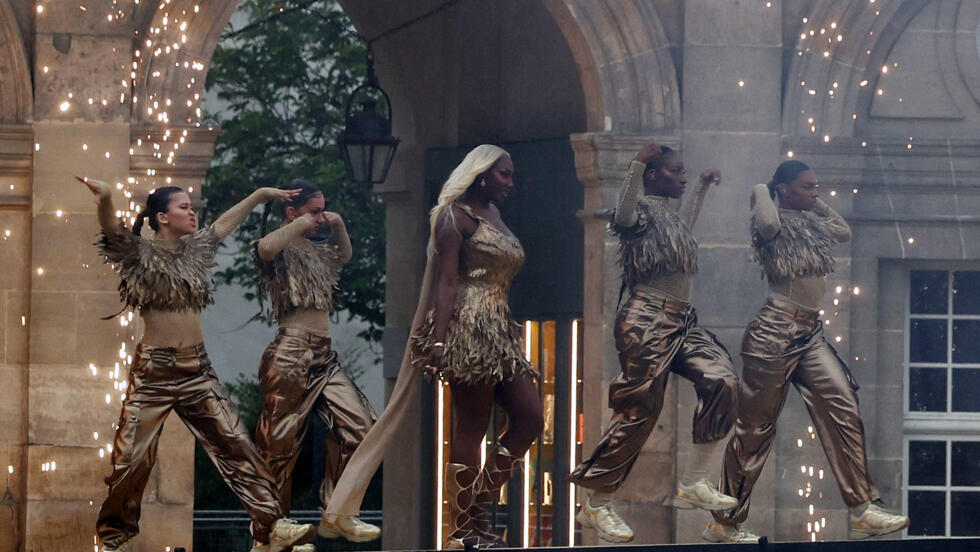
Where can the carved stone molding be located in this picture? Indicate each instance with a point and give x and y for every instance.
(15, 76)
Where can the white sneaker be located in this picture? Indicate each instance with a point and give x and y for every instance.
(349, 528)
(876, 521)
(702, 495)
(718, 533)
(121, 548)
(286, 534)
(605, 520)
(259, 547)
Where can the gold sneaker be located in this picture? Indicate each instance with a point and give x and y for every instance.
(349, 528)
(605, 520)
(286, 534)
(702, 495)
(876, 521)
(719, 533)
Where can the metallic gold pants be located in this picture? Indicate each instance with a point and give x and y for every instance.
(785, 344)
(655, 336)
(162, 380)
(299, 374)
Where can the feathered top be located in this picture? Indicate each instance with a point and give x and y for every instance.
(303, 276)
(658, 244)
(803, 247)
(157, 276)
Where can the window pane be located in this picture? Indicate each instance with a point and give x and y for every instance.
(927, 342)
(966, 382)
(966, 292)
(965, 464)
(927, 390)
(966, 341)
(927, 462)
(964, 514)
(927, 510)
(928, 291)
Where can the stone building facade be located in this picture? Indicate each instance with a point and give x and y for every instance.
(881, 97)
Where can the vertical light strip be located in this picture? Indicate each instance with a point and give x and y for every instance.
(527, 340)
(440, 440)
(526, 506)
(573, 430)
(527, 499)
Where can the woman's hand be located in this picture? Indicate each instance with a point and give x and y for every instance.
(98, 188)
(273, 194)
(710, 176)
(103, 199)
(435, 363)
(650, 152)
(331, 218)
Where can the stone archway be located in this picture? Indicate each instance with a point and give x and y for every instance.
(624, 60)
(188, 45)
(16, 93)
(448, 88)
(835, 84)
(608, 65)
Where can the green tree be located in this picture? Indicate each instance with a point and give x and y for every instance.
(281, 74)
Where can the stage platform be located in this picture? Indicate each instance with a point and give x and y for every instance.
(908, 545)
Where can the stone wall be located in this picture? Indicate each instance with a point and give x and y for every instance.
(67, 110)
(612, 74)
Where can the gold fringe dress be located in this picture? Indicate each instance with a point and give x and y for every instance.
(484, 344)
(493, 260)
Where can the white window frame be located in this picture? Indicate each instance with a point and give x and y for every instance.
(972, 419)
(936, 426)
(948, 488)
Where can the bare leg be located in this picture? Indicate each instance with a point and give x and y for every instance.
(525, 417)
(472, 407)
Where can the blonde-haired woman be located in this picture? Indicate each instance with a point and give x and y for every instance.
(463, 333)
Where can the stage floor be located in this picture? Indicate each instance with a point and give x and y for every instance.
(908, 545)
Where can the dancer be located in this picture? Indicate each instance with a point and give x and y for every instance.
(168, 280)
(463, 332)
(785, 344)
(299, 373)
(657, 333)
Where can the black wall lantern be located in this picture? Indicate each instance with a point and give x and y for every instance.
(366, 144)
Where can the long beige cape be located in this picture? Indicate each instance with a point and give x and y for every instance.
(349, 492)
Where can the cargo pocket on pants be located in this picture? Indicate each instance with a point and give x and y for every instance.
(227, 413)
(129, 423)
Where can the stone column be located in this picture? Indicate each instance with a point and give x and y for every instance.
(77, 363)
(16, 148)
(735, 127)
(408, 492)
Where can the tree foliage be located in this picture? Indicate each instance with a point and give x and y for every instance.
(281, 76)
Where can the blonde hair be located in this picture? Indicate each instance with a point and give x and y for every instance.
(478, 161)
